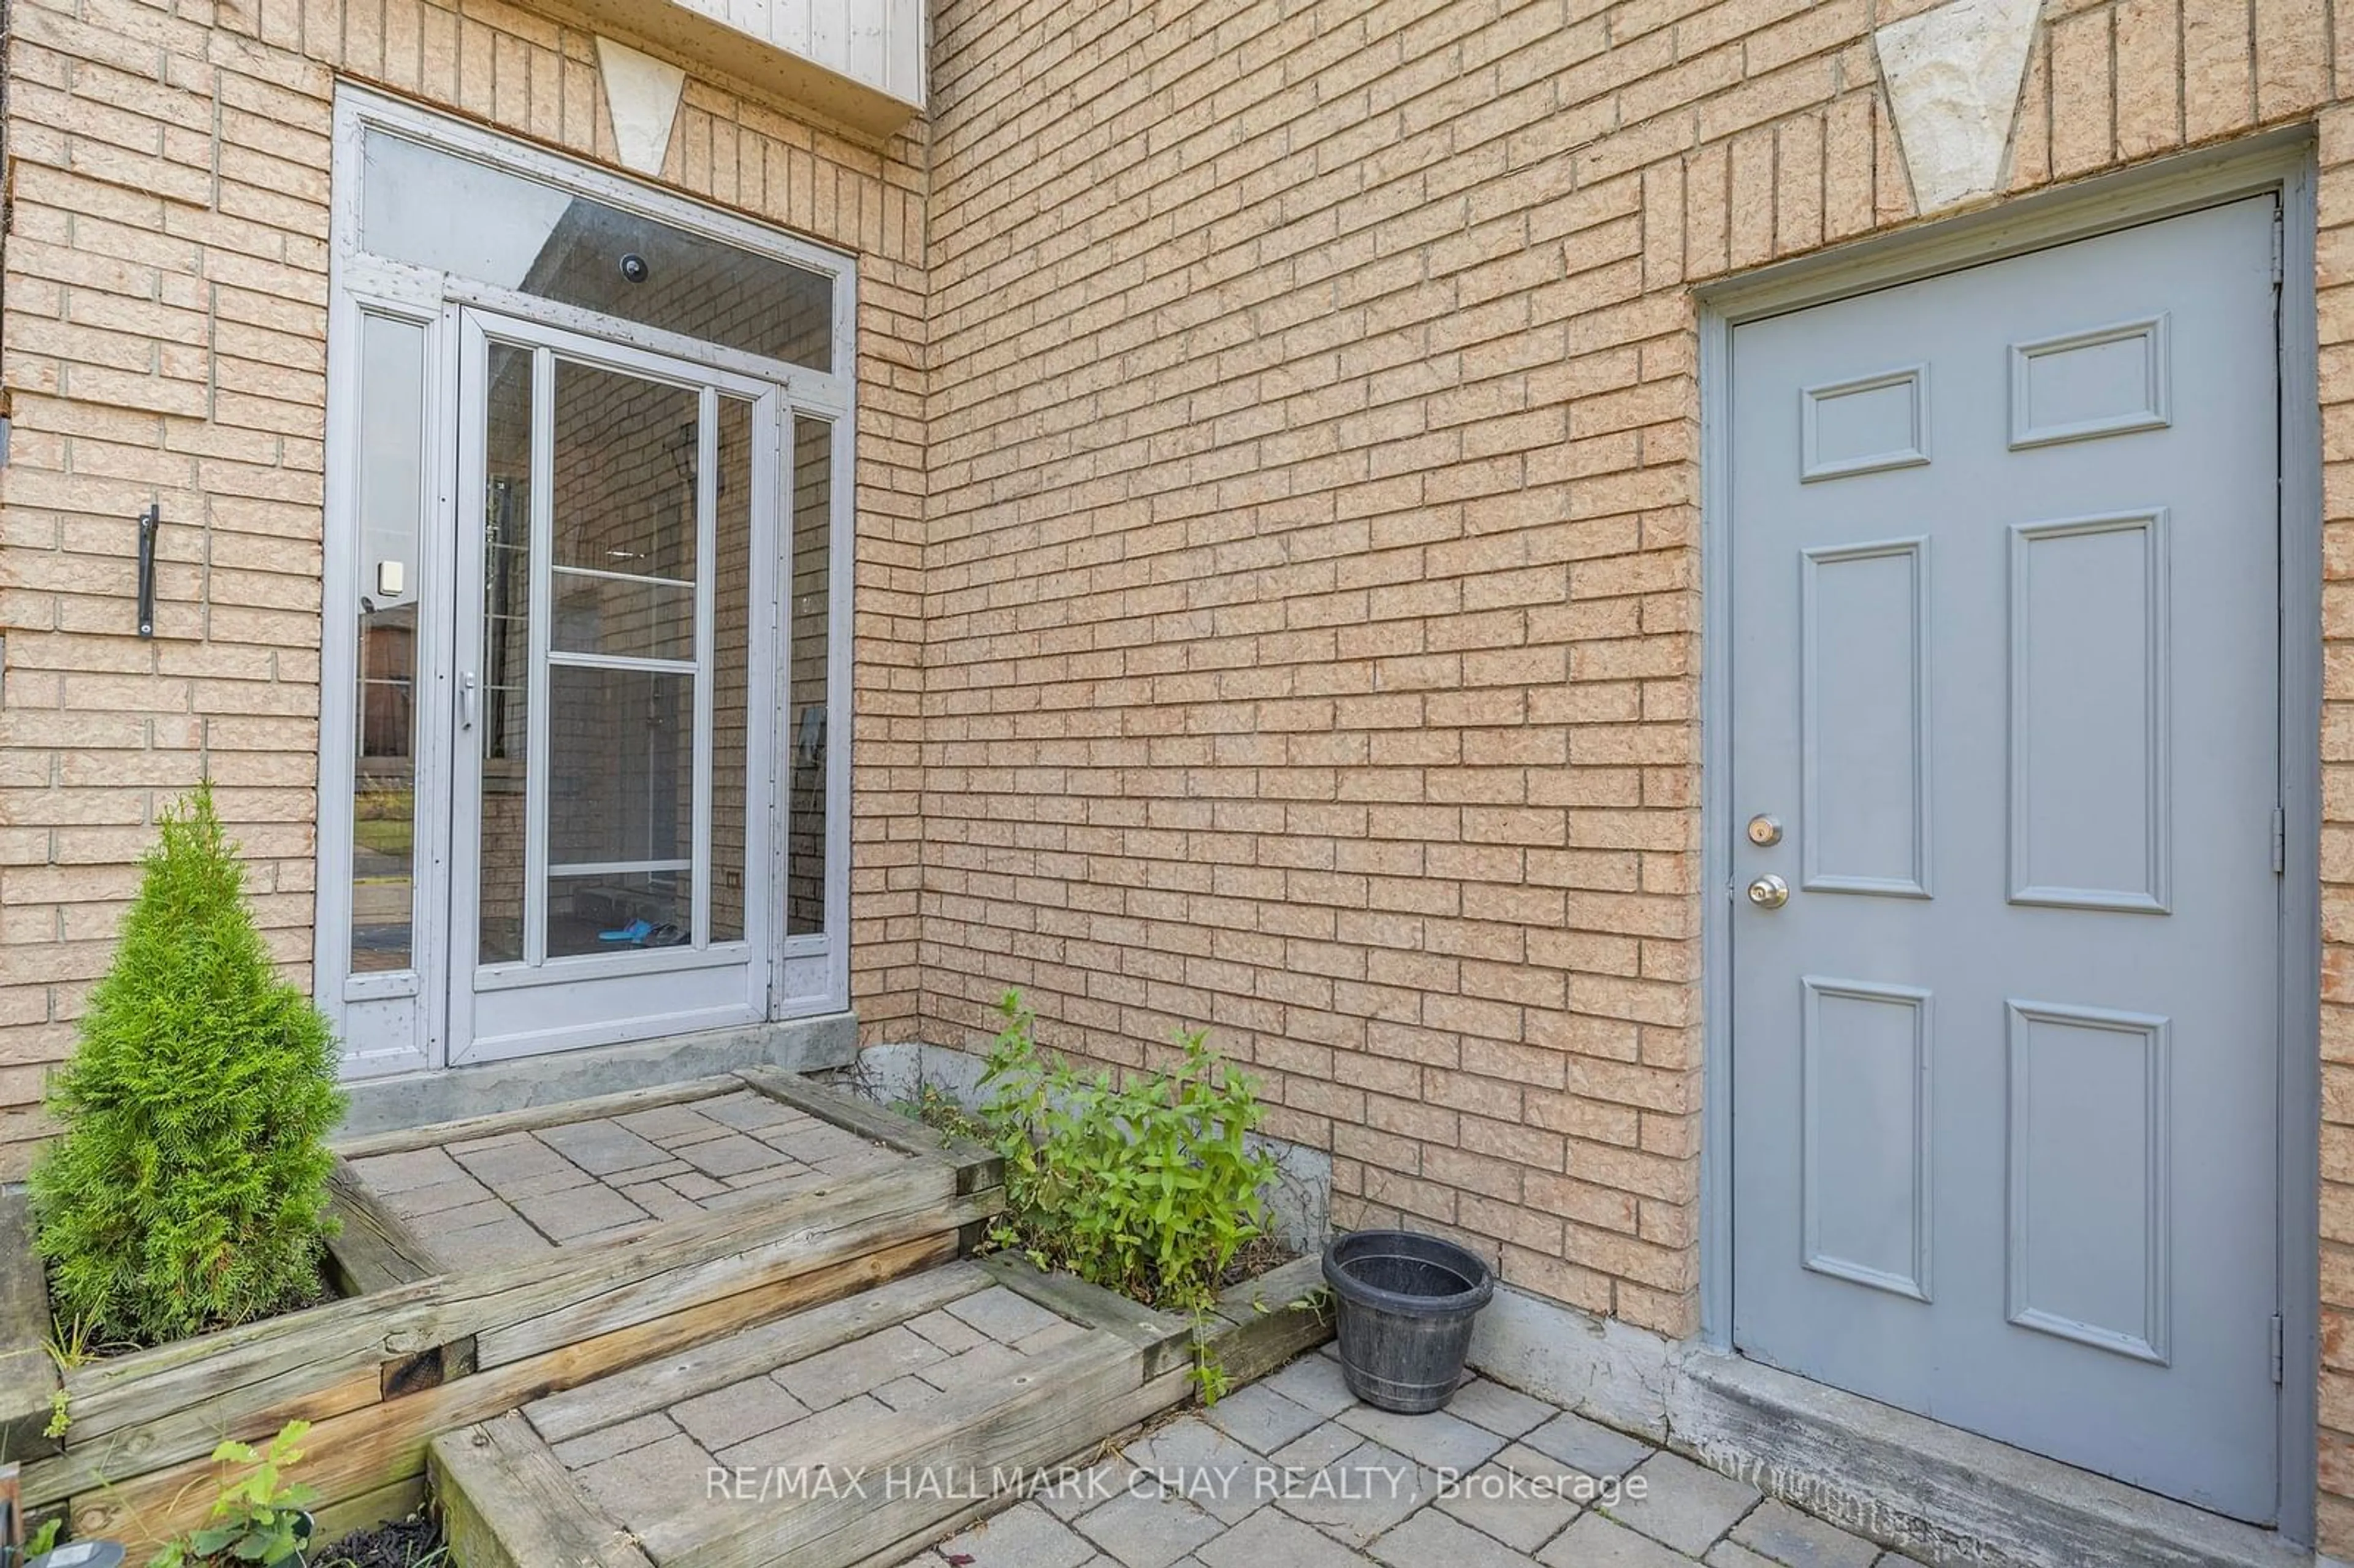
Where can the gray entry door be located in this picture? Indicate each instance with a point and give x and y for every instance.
(2005, 675)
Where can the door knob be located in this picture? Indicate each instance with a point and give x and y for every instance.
(1769, 891)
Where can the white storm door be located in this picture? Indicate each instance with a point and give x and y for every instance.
(611, 789)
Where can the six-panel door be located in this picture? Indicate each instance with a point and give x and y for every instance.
(2005, 667)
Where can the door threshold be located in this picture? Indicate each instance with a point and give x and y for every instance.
(1936, 1491)
(484, 1089)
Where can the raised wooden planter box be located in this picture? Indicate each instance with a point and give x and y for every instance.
(410, 1350)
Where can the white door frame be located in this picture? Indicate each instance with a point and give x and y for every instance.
(2282, 163)
(807, 975)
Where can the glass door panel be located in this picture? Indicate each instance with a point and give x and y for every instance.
(810, 678)
(621, 694)
(620, 826)
(733, 689)
(500, 691)
(390, 502)
(628, 740)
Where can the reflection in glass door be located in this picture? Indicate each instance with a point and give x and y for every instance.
(610, 695)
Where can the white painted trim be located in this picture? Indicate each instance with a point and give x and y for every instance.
(590, 967)
(615, 867)
(2282, 162)
(706, 635)
(564, 571)
(603, 351)
(841, 562)
(460, 570)
(464, 631)
(822, 956)
(563, 660)
(379, 986)
(777, 559)
(331, 910)
(539, 636)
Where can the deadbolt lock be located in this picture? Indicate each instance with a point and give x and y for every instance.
(1769, 893)
(1765, 830)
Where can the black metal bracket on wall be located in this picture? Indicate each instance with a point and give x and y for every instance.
(150, 521)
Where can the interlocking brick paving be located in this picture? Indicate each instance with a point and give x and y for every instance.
(1292, 1471)
(501, 1199)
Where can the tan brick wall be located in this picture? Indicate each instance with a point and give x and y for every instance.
(165, 290)
(1278, 580)
(1312, 610)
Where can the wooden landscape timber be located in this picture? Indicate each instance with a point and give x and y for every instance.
(542, 1521)
(382, 1442)
(374, 1248)
(982, 1441)
(531, 1118)
(1094, 1390)
(977, 1167)
(1263, 1322)
(1162, 1340)
(659, 1384)
(29, 1373)
(385, 1443)
(512, 1505)
(409, 1352)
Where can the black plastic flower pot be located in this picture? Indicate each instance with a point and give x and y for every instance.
(1406, 1306)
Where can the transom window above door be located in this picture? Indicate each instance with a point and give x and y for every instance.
(440, 209)
(587, 576)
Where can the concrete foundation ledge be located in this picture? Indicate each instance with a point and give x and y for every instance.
(484, 1089)
(1936, 1492)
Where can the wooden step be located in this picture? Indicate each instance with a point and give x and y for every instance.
(488, 1262)
(497, 1191)
(827, 1438)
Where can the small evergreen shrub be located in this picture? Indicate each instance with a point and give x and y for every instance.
(188, 1189)
(1146, 1187)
